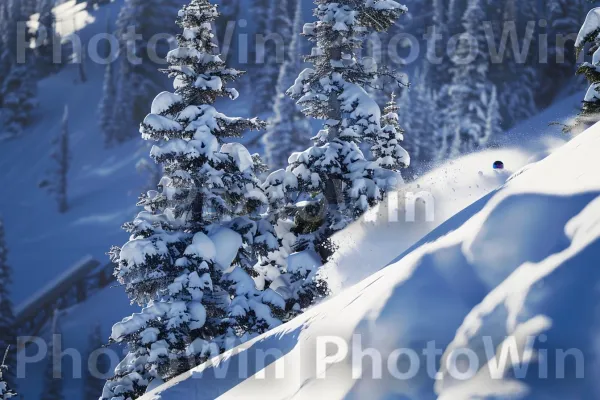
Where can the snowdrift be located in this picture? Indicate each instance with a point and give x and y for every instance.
(516, 270)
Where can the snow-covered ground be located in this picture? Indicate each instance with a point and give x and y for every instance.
(516, 270)
(104, 186)
(386, 232)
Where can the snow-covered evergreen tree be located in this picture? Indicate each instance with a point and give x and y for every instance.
(261, 15)
(19, 100)
(515, 73)
(61, 155)
(564, 18)
(493, 119)
(8, 335)
(439, 72)
(9, 17)
(334, 91)
(189, 261)
(589, 34)
(106, 112)
(333, 182)
(92, 386)
(18, 88)
(289, 129)
(45, 40)
(469, 91)
(388, 151)
(264, 82)
(6, 391)
(456, 10)
(425, 121)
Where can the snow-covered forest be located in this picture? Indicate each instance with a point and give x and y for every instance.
(276, 199)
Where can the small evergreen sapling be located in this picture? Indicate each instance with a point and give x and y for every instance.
(58, 180)
(387, 150)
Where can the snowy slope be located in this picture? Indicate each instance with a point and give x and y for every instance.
(103, 183)
(521, 261)
(104, 186)
(376, 239)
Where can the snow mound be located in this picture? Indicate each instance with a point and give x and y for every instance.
(518, 262)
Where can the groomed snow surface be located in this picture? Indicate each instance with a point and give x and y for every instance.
(504, 295)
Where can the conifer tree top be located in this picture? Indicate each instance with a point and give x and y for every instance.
(391, 107)
(200, 76)
(341, 29)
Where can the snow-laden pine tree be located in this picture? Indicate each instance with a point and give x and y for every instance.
(334, 168)
(61, 155)
(493, 119)
(19, 101)
(92, 386)
(564, 18)
(589, 34)
(425, 120)
(268, 13)
(8, 335)
(45, 37)
(289, 129)
(439, 71)
(6, 391)
(516, 72)
(18, 88)
(10, 15)
(469, 92)
(456, 10)
(135, 76)
(189, 261)
(260, 10)
(331, 182)
(388, 151)
(107, 111)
